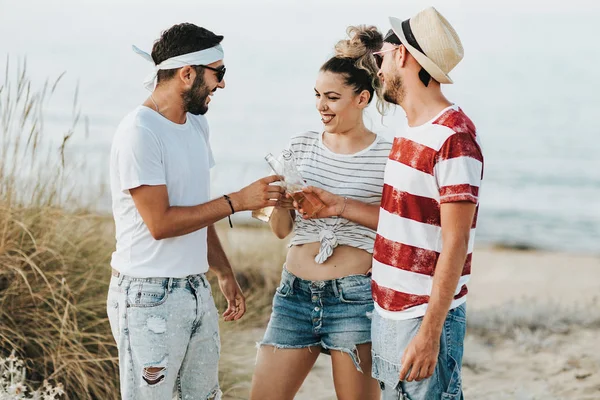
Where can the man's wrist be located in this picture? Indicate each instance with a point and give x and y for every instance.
(431, 328)
(237, 202)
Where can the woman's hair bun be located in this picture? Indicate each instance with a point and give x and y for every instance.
(362, 40)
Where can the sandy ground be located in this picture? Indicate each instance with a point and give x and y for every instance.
(534, 331)
(560, 363)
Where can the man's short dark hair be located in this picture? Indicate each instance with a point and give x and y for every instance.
(181, 39)
(392, 38)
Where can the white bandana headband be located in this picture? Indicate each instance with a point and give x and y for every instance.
(202, 57)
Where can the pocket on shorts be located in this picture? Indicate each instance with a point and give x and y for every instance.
(454, 388)
(455, 331)
(385, 372)
(355, 290)
(112, 310)
(456, 327)
(145, 294)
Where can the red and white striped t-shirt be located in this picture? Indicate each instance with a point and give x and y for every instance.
(435, 163)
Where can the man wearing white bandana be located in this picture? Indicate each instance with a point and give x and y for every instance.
(160, 306)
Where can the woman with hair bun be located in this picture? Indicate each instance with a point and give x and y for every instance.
(323, 303)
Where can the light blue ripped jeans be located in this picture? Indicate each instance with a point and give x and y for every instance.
(390, 339)
(167, 334)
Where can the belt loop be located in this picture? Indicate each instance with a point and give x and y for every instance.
(120, 281)
(204, 281)
(292, 280)
(169, 285)
(334, 286)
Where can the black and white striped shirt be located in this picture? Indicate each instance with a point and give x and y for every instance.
(357, 176)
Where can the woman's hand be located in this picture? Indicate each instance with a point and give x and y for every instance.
(334, 204)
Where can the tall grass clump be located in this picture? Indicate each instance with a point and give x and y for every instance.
(54, 253)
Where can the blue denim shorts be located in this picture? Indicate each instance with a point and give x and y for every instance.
(333, 314)
(391, 337)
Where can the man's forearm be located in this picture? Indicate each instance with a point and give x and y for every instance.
(217, 260)
(179, 221)
(447, 274)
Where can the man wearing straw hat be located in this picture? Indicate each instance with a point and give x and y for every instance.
(160, 306)
(422, 256)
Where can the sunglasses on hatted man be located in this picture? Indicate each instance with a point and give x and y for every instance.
(379, 58)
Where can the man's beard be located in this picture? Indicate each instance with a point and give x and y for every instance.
(394, 91)
(194, 100)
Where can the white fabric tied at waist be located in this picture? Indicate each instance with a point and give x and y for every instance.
(329, 241)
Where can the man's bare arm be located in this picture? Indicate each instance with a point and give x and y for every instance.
(420, 357)
(166, 221)
(219, 264)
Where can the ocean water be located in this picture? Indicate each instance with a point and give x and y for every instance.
(528, 81)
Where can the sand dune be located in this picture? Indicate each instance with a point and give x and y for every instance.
(534, 330)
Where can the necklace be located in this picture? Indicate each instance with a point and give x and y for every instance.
(155, 105)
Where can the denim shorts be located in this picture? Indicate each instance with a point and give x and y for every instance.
(391, 337)
(333, 314)
(167, 334)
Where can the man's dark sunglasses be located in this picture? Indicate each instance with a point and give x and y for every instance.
(219, 70)
(378, 60)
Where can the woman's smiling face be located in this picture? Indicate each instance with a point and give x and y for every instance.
(340, 107)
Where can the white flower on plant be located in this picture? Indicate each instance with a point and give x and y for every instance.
(13, 384)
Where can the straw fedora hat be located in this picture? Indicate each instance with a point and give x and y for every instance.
(432, 41)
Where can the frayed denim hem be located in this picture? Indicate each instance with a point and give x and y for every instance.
(353, 353)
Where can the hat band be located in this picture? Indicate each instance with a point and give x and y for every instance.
(410, 37)
(424, 76)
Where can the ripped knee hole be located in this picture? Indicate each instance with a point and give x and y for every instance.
(153, 375)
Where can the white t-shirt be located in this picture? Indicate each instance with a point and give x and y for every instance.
(148, 149)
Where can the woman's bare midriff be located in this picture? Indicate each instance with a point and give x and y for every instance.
(344, 261)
